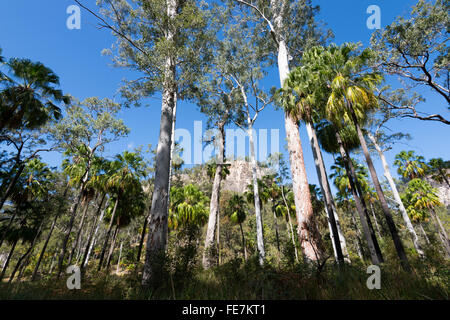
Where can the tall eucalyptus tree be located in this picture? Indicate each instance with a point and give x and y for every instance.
(166, 41)
(290, 27)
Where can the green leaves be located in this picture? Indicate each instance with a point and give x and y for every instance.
(410, 165)
(419, 198)
(236, 209)
(147, 36)
(29, 96)
(188, 207)
(327, 81)
(89, 124)
(416, 50)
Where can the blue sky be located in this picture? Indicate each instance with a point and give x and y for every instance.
(37, 30)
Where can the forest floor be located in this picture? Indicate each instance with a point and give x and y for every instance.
(240, 281)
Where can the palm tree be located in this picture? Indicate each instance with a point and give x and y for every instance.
(188, 207)
(236, 209)
(352, 95)
(30, 198)
(99, 183)
(30, 95)
(410, 165)
(421, 196)
(342, 141)
(78, 171)
(61, 201)
(123, 183)
(303, 94)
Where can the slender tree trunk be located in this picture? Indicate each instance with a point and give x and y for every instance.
(172, 146)
(441, 231)
(275, 222)
(52, 263)
(141, 242)
(84, 239)
(372, 243)
(258, 216)
(80, 228)
(120, 257)
(359, 246)
(389, 220)
(91, 241)
(111, 249)
(157, 234)
(71, 222)
(11, 185)
(397, 198)
(215, 198)
(19, 262)
(424, 233)
(219, 257)
(23, 267)
(27, 253)
(375, 220)
(290, 224)
(244, 246)
(337, 238)
(5, 266)
(108, 233)
(44, 248)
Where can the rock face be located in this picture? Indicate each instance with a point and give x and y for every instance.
(241, 176)
(443, 191)
(237, 181)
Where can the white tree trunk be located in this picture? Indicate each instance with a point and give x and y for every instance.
(214, 203)
(259, 225)
(100, 218)
(157, 231)
(397, 198)
(309, 236)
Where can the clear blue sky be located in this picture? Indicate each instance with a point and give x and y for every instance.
(37, 30)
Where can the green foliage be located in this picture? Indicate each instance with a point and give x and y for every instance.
(188, 207)
(340, 178)
(438, 169)
(410, 165)
(236, 209)
(416, 49)
(29, 95)
(144, 43)
(419, 198)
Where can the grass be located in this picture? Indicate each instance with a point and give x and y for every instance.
(238, 280)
